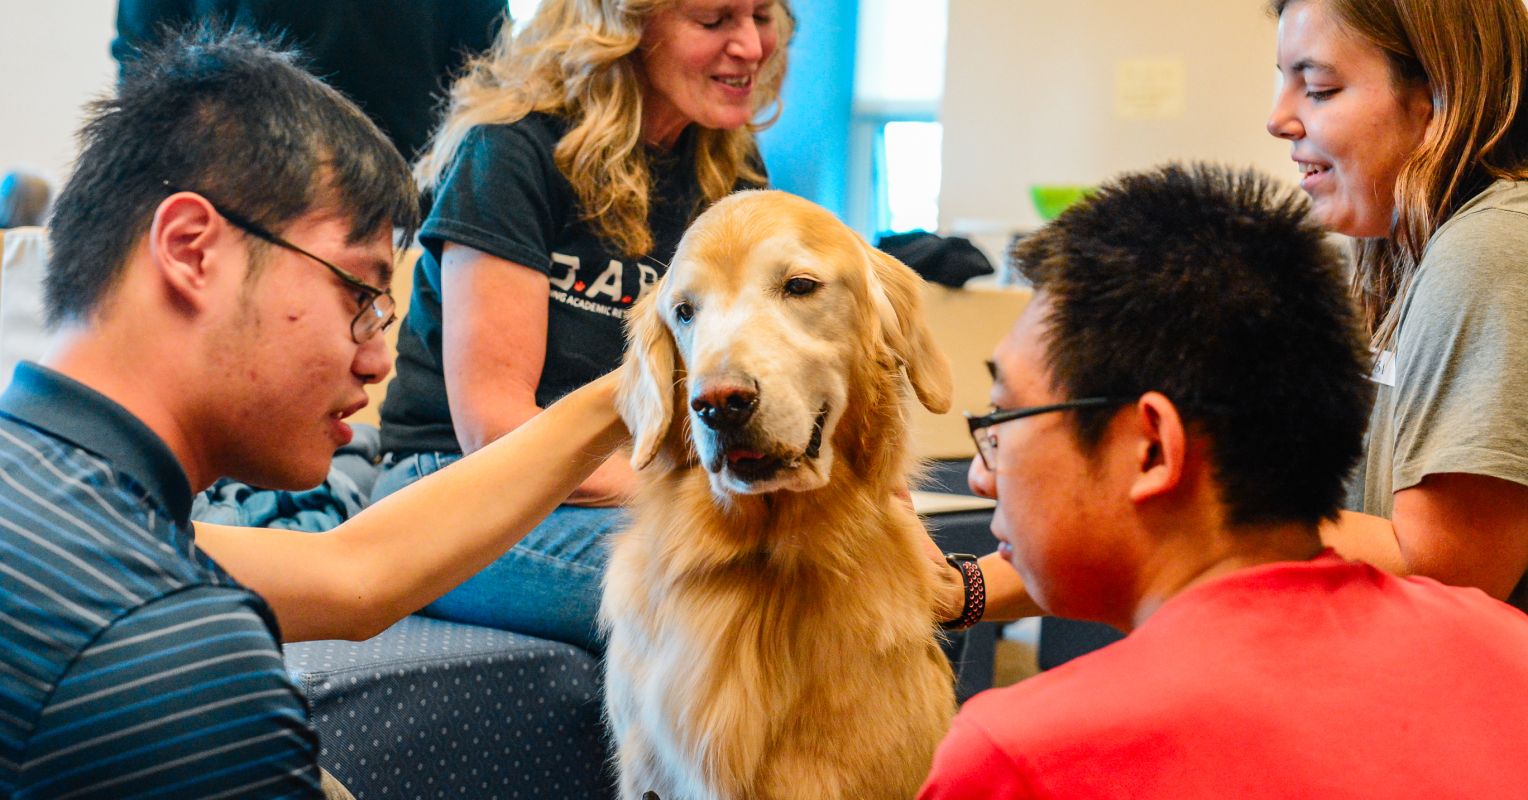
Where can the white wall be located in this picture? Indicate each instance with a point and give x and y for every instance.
(55, 56)
(1030, 97)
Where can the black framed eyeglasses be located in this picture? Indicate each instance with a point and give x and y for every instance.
(378, 309)
(986, 441)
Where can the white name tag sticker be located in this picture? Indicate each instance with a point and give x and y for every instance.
(1384, 369)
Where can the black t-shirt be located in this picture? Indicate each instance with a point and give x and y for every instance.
(394, 58)
(506, 197)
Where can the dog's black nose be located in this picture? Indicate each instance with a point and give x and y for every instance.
(725, 407)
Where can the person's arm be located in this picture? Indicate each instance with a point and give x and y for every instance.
(494, 315)
(1006, 598)
(1366, 538)
(1464, 530)
(413, 546)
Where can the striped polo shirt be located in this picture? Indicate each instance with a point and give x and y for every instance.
(131, 665)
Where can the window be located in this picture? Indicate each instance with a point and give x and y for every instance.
(908, 160)
(899, 80)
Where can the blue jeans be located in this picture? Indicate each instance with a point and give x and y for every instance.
(547, 586)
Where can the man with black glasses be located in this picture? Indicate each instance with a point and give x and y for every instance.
(221, 258)
(1176, 412)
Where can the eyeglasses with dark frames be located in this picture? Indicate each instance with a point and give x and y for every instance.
(378, 309)
(986, 440)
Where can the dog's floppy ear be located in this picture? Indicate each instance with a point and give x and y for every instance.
(645, 397)
(897, 292)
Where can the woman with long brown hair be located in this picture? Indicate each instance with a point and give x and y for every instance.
(1408, 123)
(1406, 119)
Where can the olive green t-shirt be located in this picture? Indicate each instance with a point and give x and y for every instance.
(1453, 394)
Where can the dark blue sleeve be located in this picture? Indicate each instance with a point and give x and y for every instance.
(144, 22)
(503, 195)
(185, 697)
(478, 23)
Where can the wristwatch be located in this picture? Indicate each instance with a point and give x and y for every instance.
(976, 591)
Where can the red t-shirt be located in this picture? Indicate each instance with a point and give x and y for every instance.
(1319, 679)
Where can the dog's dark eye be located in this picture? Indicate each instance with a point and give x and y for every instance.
(800, 287)
(684, 312)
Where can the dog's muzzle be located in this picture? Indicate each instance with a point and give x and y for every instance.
(739, 452)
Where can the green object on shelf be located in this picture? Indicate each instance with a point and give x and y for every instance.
(1052, 199)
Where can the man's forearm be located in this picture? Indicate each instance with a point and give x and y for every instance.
(418, 543)
(1007, 599)
(1367, 538)
(421, 541)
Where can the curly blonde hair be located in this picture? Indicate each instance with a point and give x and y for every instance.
(577, 59)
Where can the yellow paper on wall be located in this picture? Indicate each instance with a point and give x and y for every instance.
(1149, 88)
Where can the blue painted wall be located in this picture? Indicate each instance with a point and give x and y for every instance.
(807, 150)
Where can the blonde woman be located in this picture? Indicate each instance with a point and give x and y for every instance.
(1406, 119)
(571, 159)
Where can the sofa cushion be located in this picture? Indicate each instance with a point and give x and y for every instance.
(430, 708)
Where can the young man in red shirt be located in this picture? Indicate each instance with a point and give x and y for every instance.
(1177, 410)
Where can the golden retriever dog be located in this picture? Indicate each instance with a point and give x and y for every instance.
(770, 608)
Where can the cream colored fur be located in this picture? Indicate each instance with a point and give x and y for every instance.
(776, 638)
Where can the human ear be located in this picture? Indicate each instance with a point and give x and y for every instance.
(186, 238)
(1162, 447)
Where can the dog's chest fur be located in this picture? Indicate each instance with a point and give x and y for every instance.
(783, 641)
(764, 647)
